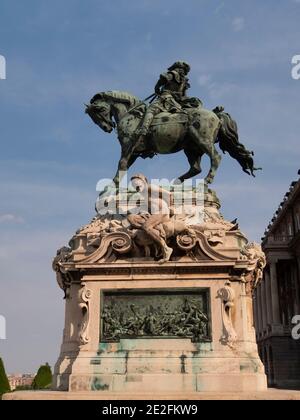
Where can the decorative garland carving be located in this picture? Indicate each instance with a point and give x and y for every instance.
(133, 237)
(257, 262)
(119, 242)
(127, 240)
(62, 276)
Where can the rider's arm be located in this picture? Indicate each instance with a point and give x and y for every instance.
(164, 78)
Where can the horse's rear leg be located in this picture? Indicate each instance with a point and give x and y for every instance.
(215, 159)
(207, 145)
(194, 158)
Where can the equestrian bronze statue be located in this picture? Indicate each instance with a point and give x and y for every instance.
(170, 123)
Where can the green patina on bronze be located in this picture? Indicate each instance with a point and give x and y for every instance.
(170, 123)
(160, 314)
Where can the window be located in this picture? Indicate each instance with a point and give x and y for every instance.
(297, 221)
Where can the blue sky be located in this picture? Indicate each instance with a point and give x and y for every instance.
(59, 54)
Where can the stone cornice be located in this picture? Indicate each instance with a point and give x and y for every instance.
(150, 270)
(287, 204)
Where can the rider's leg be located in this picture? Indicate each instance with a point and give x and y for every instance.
(147, 121)
(152, 110)
(149, 227)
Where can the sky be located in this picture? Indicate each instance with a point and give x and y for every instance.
(58, 55)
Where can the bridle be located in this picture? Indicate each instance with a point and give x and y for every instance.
(104, 118)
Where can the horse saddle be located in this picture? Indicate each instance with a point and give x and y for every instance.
(166, 118)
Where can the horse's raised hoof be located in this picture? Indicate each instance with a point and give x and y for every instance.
(178, 181)
(208, 180)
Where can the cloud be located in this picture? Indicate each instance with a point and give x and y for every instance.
(204, 80)
(238, 24)
(220, 7)
(11, 218)
(30, 299)
(61, 158)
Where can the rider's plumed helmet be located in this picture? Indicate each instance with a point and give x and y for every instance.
(180, 65)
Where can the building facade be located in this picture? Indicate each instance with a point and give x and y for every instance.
(20, 380)
(277, 298)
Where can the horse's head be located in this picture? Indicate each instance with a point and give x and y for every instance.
(99, 110)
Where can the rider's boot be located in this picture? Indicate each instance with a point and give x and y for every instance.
(142, 132)
(147, 121)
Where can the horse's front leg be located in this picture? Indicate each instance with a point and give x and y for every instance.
(114, 186)
(125, 162)
(121, 171)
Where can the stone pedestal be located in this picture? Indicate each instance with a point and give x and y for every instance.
(137, 325)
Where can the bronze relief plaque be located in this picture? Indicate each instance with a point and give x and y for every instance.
(156, 314)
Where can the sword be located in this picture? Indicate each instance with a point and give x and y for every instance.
(152, 97)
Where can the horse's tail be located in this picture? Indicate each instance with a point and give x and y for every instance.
(228, 138)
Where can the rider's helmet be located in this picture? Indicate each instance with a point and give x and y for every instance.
(180, 65)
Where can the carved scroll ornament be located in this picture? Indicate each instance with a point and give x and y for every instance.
(227, 296)
(85, 295)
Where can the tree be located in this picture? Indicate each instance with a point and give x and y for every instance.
(23, 388)
(4, 384)
(43, 378)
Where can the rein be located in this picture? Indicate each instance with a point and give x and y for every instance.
(106, 120)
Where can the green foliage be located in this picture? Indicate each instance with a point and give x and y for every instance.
(23, 388)
(43, 378)
(4, 384)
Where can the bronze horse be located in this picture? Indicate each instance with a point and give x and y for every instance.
(195, 130)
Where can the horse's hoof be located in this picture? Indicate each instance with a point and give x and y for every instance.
(208, 180)
(178, 181)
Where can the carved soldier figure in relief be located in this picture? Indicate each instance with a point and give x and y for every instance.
(151, 229)
(158, 213)
(255, 254)
(62, 278)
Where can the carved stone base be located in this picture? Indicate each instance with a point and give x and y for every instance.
(225, 359)
(134, 324)
(269, 395)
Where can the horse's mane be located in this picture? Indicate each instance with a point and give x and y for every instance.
(118, 96)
